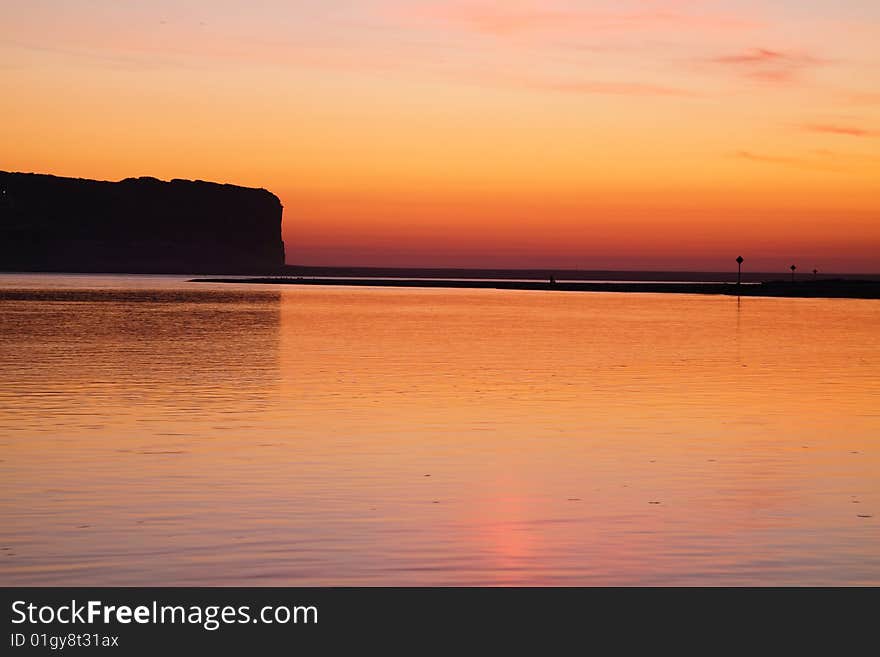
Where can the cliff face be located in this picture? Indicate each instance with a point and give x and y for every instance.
(136, 225)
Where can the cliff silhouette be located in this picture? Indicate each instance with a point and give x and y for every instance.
(137, 225)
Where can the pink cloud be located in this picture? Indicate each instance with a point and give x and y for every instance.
(753, 56)
(819, 163)
(614, 88)
(771, 159)
(833, 129)
(769, 65)
(506, 19)
(863, 98)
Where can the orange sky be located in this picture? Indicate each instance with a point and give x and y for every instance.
(629, 134)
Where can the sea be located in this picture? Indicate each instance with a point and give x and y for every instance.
(158, 431)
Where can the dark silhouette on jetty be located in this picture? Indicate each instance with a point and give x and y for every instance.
(137, 225)
(828, 288)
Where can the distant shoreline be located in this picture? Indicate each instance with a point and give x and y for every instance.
(543, 274)
(831, 288)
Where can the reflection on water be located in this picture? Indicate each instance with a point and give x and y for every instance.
(154, 431)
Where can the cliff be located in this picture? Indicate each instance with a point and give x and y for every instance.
(137, 225)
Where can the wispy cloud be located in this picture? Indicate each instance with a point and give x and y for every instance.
(863, 97)
(753, 56)
(506, 19)
(844, 130)
(614, 88)
(817, 161)
(769, 65)
(325, 56)
(768, 159)
(129, 61)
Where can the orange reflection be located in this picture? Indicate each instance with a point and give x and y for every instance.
(392, 436)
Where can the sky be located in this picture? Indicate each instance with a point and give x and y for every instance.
(627, 134)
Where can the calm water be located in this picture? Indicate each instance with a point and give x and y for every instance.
(154, 431)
